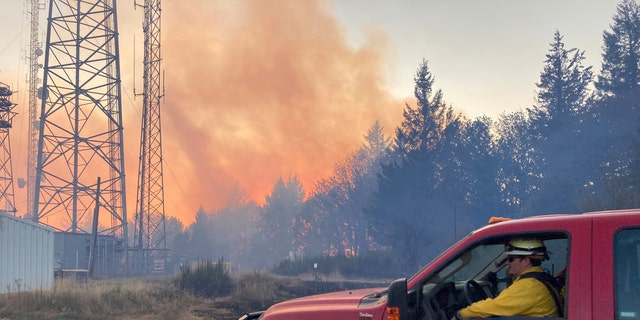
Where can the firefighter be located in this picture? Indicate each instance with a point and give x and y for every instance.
(533, 293)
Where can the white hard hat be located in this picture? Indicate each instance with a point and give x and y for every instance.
(526, 247)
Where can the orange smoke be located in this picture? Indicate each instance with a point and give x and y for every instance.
(258, 90)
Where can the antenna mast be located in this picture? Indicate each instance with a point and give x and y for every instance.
(149, 236)
(35, 51)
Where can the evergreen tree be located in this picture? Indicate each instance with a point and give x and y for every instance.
(174, 233)
(375, 146)
(422, 126)
(558, 142)
(563, 87)
(407, 202)
(277, 218)
(375, 153)
(618, 84)
(616, 115)
(478, 174)
(201, 238)
(621, 57)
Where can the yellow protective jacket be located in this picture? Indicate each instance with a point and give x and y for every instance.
(524, 297)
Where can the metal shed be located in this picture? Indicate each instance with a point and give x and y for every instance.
(26, 255)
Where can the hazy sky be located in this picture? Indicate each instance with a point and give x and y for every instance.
(486, 55)
(257, 90)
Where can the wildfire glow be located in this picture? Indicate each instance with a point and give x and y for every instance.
(255, 90)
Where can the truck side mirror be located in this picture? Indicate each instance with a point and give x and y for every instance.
(397, 302)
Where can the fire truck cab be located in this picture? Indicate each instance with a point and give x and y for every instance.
(597, 254)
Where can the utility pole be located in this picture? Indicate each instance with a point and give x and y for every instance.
(149, 237)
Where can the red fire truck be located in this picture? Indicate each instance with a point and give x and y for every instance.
(599, 252)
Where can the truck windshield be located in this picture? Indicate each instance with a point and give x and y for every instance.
(488, 257)
(472, 264)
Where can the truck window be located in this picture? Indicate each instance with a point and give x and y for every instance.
(627, 273)
(479, 273)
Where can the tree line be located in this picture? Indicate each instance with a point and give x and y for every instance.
(441, 174)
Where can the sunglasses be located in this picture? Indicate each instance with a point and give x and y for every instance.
(511, 258)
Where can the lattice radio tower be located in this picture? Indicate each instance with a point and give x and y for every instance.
(149, 237)
(7, 199)
(80, 138)
(35, 51)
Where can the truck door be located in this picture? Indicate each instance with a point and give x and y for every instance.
(578, 286)
(616, 268)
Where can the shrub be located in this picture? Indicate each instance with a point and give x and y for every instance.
(206, 279)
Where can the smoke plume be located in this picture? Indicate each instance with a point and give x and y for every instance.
(257, 90)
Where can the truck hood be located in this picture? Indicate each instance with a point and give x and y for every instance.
(336, 304)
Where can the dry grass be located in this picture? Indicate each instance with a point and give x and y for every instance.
(153, 298)
(150, 298)
(258, 290)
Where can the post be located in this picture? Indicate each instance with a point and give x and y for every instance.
(94, 231)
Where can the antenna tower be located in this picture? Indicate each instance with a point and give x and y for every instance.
(7, 199)
(149, 236)
(35, 51)
(80, 130)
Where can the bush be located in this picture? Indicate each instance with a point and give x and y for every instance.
(206, 279)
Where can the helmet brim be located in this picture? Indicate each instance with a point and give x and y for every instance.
(523, 253)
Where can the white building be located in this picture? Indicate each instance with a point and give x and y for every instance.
(26, 255)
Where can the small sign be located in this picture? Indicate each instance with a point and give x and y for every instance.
(158, 264)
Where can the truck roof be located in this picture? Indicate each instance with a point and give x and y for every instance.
(559, 219)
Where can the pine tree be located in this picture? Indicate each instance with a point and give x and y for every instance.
(376, 145)
(558, 142)
(408, 201)
(201, 237)
(616, 116)
(477, 174)
(278, 216)
(563, 86)
(621, 57)
(422, 126)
